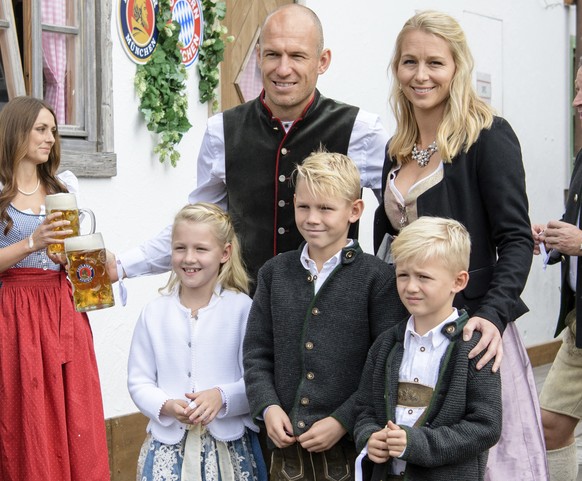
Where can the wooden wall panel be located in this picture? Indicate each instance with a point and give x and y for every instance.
(125, 435)
(243, 18)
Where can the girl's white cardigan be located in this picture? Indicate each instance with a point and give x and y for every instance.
(172, 353)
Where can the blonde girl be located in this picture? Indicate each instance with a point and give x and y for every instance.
(185, 364)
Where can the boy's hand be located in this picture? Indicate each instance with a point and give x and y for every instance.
(377, 447)
(322, 435)
(204, 406)
(279, 427)
(175, 408)
(490, 340)
(395, 439)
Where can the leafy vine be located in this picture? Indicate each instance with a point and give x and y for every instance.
(212, 50)
(161, 87)
(161, 82)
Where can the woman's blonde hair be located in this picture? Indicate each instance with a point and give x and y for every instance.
(17, 120)
(329, 175)
(430, 238)
(232, 274)
(465, 113)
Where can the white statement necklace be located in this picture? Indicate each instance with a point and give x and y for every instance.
(422, 157)
(30, 193)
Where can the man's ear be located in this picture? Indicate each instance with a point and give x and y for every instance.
(324, 61)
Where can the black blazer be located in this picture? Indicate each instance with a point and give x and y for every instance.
(484, 189)
(569, 299)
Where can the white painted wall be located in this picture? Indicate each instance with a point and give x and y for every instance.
(531, 72)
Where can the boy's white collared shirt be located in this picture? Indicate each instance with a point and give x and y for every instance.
(329, 265)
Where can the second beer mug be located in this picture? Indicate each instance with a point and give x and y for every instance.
(86, 258)
(67, 204)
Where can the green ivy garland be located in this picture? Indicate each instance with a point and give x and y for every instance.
(212, 50)
(161, 88)
(161, 82)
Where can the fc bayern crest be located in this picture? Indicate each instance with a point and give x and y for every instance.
(188, 13)
(137, 28)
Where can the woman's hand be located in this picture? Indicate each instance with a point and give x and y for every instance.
(46, 232)
(490, 341)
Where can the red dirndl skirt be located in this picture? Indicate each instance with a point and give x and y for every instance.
(51, 415)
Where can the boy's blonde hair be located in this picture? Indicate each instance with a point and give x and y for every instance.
(434, 238)
(232, 274)
(329, 175)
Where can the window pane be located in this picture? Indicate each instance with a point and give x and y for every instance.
(59, 58)
(59, 74)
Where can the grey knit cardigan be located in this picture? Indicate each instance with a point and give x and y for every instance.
(461, 423)
(305, 352)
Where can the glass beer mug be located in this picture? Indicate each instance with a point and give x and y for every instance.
(67, 204)
(86, 259)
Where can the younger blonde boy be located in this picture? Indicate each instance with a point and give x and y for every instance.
(314, 316)
(424, 411)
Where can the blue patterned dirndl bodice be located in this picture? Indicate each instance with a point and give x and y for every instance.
(25, 223)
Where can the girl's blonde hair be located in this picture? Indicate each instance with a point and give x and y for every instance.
(465, 113)
(17, 120)
(232, 274)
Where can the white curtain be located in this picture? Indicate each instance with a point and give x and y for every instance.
(54, 54)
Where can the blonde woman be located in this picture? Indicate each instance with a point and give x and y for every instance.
(451, 157)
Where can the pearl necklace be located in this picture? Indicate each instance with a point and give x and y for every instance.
(30, 193)
(422, 157)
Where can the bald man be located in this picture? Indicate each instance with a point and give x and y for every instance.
(249, 152)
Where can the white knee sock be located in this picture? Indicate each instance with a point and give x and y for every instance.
(563, 464)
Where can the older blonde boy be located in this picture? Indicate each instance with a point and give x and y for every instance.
(424, 411)
(314, 316)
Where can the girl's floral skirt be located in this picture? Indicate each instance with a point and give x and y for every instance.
(238, 460)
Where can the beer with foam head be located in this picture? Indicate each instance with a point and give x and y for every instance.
(87, 271)
(67, 204)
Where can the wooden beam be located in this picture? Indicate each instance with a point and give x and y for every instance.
(10, 52)
(545, 353)
(89, 164)
(125, 435)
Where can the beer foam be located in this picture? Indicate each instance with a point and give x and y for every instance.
(60, 201)
(87, 242)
